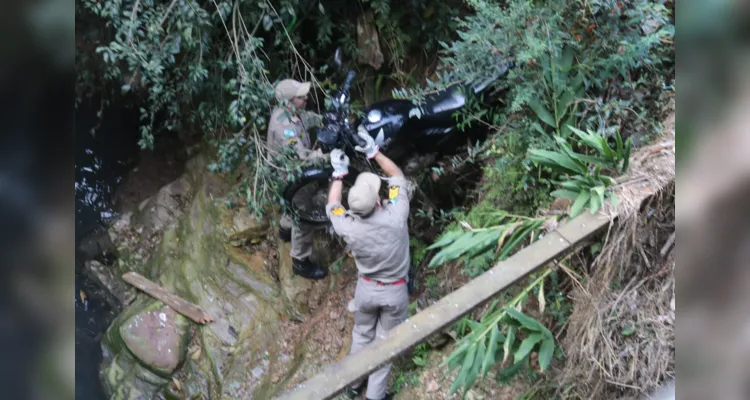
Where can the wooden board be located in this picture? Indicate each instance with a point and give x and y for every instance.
(180, 305)
(334, 378)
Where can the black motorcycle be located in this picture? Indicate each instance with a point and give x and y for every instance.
(412, 135)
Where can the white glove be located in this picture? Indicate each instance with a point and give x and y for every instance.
(340, 163)
(370, 149)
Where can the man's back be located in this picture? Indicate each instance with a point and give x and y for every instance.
(380, 242)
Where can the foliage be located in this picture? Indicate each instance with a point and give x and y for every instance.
(496, 241)
(588, 74)
(503, 334)
(583, 181)
(209, 67)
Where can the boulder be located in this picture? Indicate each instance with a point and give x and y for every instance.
(158, 338)
(162, 209)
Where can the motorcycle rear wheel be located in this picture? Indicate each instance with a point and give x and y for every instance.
(308, 197)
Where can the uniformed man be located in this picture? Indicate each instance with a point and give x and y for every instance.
(289, 126)
(378, 236)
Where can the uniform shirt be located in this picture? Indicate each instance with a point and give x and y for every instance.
(379, 243)
(285, 129)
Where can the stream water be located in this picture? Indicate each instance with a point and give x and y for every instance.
(101, 162)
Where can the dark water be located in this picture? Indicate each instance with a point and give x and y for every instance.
(101, 162)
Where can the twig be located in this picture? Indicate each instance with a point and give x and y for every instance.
(166, 13)
(668, 245)
(133, 15)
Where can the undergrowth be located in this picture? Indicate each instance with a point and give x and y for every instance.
(590, 80)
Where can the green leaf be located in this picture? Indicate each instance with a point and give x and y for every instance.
(579, 204)
(608, 152)
(599, 190)
(573, 185)
(526, 346)
(555, 159)
(566, 59)
(545, 353)
(517, 237)
(626, 156)
(542, 112)
(489, 358)
(588, 138)
(525, 321)
(569, 194)
(562, 105)
(467, 364)
(594, 202)
(456, 353)
(474, 373)
(509, 342)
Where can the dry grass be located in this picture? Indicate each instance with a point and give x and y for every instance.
(620, 336)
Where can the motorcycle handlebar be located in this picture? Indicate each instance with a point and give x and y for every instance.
(348, 81)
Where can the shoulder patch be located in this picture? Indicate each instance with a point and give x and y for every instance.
(393, 192)
(292, 141)
(289, 133)
(338, 211)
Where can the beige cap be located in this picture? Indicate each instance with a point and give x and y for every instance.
(289, 89)
(363, 196)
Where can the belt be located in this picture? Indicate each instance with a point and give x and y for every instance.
(398, 282)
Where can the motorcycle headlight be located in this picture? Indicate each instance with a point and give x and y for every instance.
(374, 116)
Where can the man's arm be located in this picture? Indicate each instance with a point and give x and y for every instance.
(389, 167)
(334, 194)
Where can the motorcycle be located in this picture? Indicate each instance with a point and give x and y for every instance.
(412, 135)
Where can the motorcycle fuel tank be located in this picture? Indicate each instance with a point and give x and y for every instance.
(385, 120)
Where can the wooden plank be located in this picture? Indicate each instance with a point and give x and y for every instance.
(180, 305)
(333, 379)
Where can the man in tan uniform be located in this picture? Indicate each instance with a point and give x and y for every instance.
(378, 236)
(289, 126)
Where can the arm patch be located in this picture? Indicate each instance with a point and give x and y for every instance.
(393, 192)
(338, 211)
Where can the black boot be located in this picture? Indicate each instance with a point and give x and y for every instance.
(308, 269)
(285, 234)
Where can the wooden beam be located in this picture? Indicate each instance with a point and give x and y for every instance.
(180, 305)
(334, 378)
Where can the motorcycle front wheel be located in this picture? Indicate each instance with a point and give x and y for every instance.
(307, 196)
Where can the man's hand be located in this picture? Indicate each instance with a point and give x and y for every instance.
(371, 149)
(340, 163)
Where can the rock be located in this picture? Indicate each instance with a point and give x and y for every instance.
(368, 41)
(303, 295)
(158, 211)
(122, 293)
(96, 244)
(158, 338)
(240, 227)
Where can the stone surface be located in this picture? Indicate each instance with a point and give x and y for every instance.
(123, 293)
(240, 227)
(156, 212)
(158, 338)
(252, 350)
